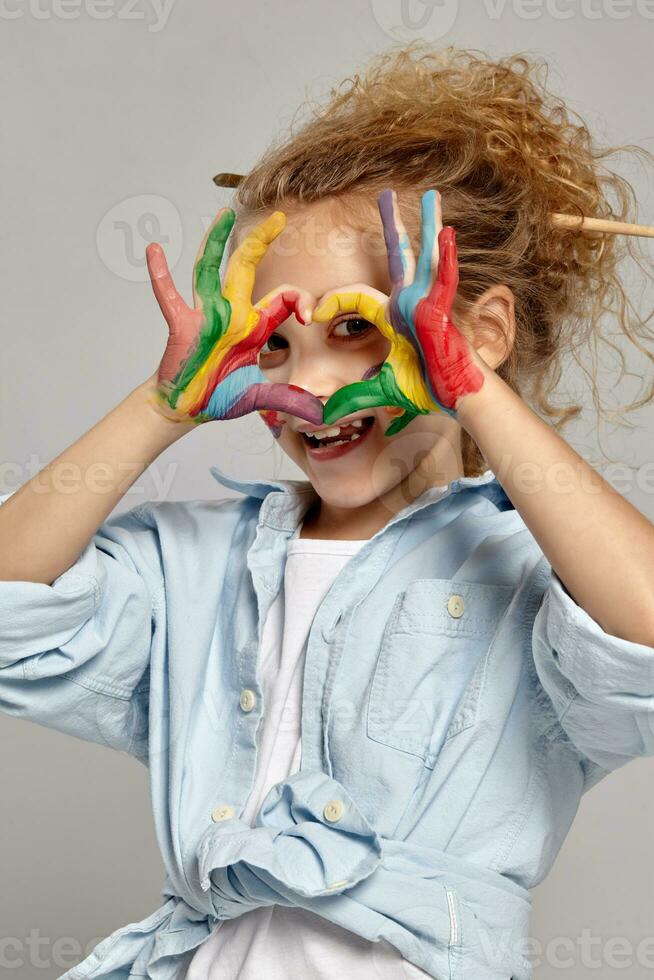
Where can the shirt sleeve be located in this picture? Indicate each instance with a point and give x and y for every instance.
(74, 655)
(601, 686)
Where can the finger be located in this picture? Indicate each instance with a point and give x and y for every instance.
(280, 398)
(352, 398)
(431, 223)
(381, 389)
(206, 274)
(238, 282)
(401, 260)
(370, 308)
(447, 282)
(284, 301)
(170, 302)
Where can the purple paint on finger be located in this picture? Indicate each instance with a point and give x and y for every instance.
(391, 237)
(272, 398)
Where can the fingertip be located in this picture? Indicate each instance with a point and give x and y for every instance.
(155, 259)
(301, 307)
(324, 311)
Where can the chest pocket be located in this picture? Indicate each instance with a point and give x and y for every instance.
(430, 669)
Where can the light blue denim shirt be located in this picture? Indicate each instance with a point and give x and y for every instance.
(456, 705)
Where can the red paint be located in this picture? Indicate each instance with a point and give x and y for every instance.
(246, 352)
(272, 418)
(452, 372)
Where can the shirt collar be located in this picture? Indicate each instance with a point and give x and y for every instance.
(259, 488)
(292, 498)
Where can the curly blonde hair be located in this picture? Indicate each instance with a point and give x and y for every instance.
(505, 154)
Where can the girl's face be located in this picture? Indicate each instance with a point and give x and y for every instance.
(322, 257)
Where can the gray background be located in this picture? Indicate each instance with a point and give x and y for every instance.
(117, 120)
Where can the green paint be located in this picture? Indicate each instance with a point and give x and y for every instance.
(216, 309)
(382, 389)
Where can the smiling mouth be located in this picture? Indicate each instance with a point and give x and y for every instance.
(339, 437)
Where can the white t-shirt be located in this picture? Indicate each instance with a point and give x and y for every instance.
(277, 942)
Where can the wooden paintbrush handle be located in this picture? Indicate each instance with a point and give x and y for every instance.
(601, 225)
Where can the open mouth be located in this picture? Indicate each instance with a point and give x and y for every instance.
(338, 439)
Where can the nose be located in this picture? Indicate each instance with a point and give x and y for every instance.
(314, 372)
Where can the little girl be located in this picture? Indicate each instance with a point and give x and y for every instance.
(369, 701)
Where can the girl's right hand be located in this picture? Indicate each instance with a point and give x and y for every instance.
(209, 369)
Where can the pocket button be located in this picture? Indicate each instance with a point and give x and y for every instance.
(455, 606)
(333, 811)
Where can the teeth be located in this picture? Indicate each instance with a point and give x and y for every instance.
(341, 442)
(334, 431)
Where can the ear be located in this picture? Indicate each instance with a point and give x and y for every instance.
(490, 325)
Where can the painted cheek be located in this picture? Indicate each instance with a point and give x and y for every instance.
(272, 419)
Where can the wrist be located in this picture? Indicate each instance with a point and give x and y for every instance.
(473, 404)
(168, 428)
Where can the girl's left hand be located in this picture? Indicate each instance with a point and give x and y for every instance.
(430, 365)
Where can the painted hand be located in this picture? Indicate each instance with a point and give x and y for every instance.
(430, 365)
(209, 369)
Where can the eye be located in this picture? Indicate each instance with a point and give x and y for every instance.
(346, 330)
(360, 328)
(274, 343)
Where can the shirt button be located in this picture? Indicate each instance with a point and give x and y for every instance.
(455, 606)
(333, 811)
(222, 812)
(247, 699)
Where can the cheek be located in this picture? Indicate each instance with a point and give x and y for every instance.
(375, 352)
(273, 420)
(278, 427)
(424, 452)
(383, 345)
